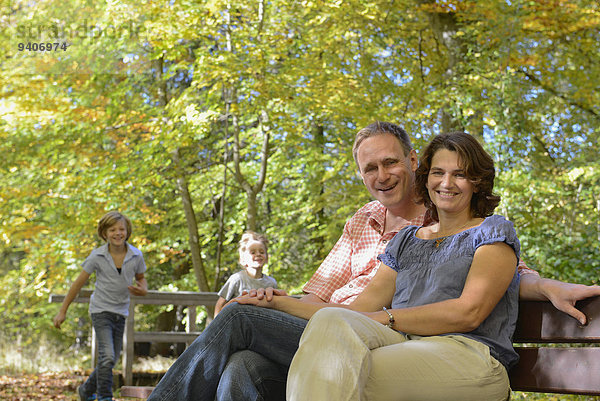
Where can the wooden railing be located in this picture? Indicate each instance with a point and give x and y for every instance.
(189, 299)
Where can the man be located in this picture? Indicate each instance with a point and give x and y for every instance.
(250, 357)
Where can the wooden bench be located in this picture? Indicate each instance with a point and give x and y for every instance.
(136, 391)
(558, 355)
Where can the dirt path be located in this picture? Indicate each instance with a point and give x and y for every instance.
(43, 386)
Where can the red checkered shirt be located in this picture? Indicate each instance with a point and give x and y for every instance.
(352, 262)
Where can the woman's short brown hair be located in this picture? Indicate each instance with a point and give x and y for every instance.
(477, 164)
(109, 219)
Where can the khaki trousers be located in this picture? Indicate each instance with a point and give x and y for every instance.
(344, 355)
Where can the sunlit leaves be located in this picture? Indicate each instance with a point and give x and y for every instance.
(95, 127)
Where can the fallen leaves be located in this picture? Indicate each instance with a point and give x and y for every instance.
(42, 386)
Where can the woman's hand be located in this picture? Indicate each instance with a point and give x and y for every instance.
(379, 317)
(262, 297)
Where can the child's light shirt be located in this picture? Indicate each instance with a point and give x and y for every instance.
(241, 281)
(111, 293)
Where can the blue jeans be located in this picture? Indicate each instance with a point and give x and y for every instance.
(109, 329)
(235, 357)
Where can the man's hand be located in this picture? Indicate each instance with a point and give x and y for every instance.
(247, 299)
(564, 296)
(265, 293)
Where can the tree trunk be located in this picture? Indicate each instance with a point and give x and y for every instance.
(444, 27)
(319, 141)
(217, 284)
(252, 191)
(192, 226)
(251, 211)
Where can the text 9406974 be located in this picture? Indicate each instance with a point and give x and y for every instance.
(42, 47)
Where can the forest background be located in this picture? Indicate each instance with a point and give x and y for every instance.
(200, 119)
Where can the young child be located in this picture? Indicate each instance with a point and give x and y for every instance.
(253, 256)
(116, 263)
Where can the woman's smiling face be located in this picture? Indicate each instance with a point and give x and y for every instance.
(449, 188)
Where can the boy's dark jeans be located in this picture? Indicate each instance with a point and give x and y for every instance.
(109, 329)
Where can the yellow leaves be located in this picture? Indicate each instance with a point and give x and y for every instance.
(169, 253)
(525, 60)
(581, 172)
(27, 230)
(489, 121)
(448, 6)
(216, 7)
(198, 119)
(560, 17)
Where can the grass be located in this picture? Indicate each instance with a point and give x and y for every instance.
(44, 355)
(518, 396)
(19, 356)
(155, 364)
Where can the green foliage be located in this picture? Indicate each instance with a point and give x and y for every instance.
(95, 128)
(519, 396)
(557, 220)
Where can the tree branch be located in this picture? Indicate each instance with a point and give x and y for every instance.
(264, 156)
(556, 93)
(236, 157)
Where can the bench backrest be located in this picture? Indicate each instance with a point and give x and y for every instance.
(571, 364)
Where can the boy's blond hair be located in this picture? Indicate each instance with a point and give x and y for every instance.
(109, 219)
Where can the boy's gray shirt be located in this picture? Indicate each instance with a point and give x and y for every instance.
(111, 293)
(241, 281)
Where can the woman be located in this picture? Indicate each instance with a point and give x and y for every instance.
(436, 321)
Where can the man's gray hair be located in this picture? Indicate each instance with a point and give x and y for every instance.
(379, 128)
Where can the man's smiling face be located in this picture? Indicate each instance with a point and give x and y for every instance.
(386, 171)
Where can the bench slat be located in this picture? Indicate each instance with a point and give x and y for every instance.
(185, 298)
(165, 336)
(136, 391)
(573, 370)
(542, 322)
(557, 370)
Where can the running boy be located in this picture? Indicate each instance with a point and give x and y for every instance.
(116, 263)
(253, 256)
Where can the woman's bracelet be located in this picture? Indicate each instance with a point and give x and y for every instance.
(392, 321)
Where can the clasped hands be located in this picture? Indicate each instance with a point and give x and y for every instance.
(263, 297)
